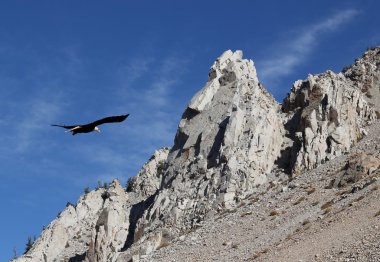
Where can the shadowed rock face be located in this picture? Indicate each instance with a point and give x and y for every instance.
(328, 112)
(233, 125)
(232, 135)
(227, 141)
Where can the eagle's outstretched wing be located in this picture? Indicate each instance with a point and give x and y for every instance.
(67, 127)
(110, 119)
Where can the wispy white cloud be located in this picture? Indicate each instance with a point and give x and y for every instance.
(148, 90)
(148, 81)
(159, 92)
(34, 95)
(296, 50)
(134, 70)
(103, 155)
(33, 121)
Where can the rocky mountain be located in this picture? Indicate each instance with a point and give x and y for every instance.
(234, 144)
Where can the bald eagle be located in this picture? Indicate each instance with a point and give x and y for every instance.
(75, 129)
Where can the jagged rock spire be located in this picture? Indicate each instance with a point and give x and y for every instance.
(230, 124)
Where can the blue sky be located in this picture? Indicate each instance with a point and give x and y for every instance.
(69, 62)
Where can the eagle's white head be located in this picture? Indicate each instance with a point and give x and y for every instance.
(97, 129)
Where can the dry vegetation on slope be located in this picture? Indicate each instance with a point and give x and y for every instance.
(305, 220)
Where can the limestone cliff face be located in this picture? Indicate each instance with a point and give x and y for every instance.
(99, 214)
(227, 142)
(232, 136)
(99, 225)
(327, 113)
(230, 131)
(365, 73)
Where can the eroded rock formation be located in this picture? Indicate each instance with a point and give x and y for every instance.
(327, 113)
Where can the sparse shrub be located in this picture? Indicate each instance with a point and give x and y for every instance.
(331, 184)
(345, 68)
(273, 213)
(228, 211)
(86, 190)
(310, 191)
(368, 94)
(131, 184)
(101, 184)
(305, 222)
(259, 253)
(307, 226)
(339, 193)
(29, 244)
(246, 214)
(69, 204)
(299, 200)
(327, 204)
(256, 255)
(377, 114)
(377, 214)
(164, 243)
(14, 253)
(271, 185)
(327, 210)
(360, 198)
(356, 200)
(105, 195)
(253, 199)
(371, 48)
(165, 240)
(161, 166)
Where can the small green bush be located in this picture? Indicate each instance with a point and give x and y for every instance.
(29, 244)
(86, 190)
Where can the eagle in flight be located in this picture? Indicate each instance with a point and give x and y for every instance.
(75, 129)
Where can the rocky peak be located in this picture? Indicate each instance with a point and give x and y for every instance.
(365, 72)
(365, 75)
(222, 113)
(230, 126)
(227, 141)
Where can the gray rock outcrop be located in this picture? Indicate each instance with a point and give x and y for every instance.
(227, 142)
(327, 113)
(99, 214)
(100, 223)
